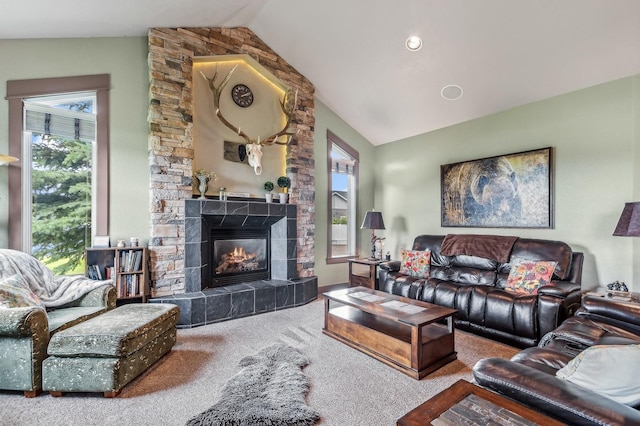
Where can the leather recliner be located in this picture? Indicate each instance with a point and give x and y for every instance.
(475, 286)
(530, 376)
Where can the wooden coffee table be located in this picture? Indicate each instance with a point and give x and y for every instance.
(411, 336)
(465, 403)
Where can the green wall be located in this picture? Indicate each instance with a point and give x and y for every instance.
(125, 59)
(594, 133)
(327, 120)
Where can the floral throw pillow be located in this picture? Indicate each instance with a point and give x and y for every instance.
(15, 293)
(415, 263)
(527, 276)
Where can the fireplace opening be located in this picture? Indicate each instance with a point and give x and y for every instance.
(239, 255)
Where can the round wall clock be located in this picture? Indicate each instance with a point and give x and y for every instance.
(242, 95)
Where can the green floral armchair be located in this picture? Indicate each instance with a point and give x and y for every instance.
(25, 330)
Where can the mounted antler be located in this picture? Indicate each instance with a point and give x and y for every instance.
(254, 146)
(288, 106)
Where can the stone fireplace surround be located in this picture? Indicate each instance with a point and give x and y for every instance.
(171, 154)
(200, 306)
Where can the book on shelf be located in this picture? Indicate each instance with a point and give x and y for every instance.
(137, 264)
(91, 272)
(130, 260)
(129, 286)
(94, 272)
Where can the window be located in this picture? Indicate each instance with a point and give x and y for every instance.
(60, 136)
(343, 184)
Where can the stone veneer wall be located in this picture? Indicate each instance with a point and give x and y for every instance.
(171, 53)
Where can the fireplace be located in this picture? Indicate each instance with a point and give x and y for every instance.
(239, 255)
(217, 230)
(210, 221)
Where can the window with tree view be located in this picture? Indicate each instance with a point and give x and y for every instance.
(343, 183)
(60, 141)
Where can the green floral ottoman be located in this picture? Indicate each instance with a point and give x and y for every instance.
(105, 353)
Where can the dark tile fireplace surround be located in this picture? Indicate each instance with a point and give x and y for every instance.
(201, 305)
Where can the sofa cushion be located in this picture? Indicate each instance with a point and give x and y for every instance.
(15, 293)
(415, 263)
(532, 249)
(528, 276)
(116, 333)
(512, 313)
(610, 370)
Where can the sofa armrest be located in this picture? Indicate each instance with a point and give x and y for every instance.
(544, 392)
(101, 296)
(390, 266)
(620, 313)
(19, 322)
(386, 270)
(560, 289)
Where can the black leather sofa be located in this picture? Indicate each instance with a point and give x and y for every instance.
(475, 287)
(530, 376)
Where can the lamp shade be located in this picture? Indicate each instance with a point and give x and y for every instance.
(373, 220)
(6, 159)
(629, 222)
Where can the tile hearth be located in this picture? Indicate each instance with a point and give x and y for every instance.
(240, 300)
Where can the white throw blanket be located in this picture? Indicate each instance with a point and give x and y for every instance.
(53, 291)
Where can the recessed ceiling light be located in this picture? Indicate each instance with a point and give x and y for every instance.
(413, 43)
(451, 92)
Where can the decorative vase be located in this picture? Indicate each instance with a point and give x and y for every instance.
(283, 197)
(268, 197)
(202, 184)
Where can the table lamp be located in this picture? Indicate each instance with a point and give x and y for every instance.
(373, 220)
(6, 159)
(629, 222)
(628, 226)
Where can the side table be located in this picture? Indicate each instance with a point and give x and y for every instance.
(364, 273)
(621, 296)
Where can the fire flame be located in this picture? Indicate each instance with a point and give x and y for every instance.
(237, 260)
(239, 254)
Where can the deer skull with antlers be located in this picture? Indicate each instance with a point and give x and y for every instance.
(254, 146)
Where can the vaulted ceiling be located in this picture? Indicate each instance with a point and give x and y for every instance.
(502, 53)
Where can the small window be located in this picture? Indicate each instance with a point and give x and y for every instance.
(343, 184)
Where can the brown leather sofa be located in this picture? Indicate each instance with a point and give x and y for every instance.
(530, 376)
(475, 287)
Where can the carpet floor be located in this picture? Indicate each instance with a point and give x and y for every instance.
(347, 387)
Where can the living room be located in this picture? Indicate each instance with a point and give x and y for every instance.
(593, 131)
